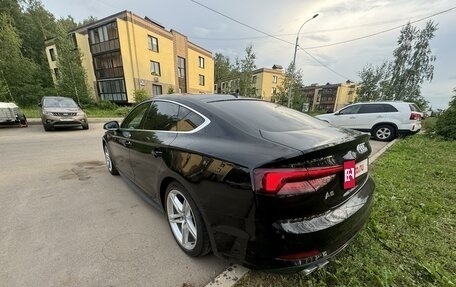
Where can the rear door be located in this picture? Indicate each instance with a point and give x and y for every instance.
(368, 115)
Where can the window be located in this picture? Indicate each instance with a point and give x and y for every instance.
(188, 120)
(133, 120)
(112, 90)
(268, 117)
(157, 90)
(180, 67)
(162, 116)
(56, 73)
(254, 79)
(103, 33)
(201, 62)
(389, 108)
(350, 110)
(153, 43)
(274, 91)
(370, 109)
(155, 68)
(274, 79)
(201, 80)
(52, 54)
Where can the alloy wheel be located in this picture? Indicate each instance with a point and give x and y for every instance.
(383, 133)
(181, 219)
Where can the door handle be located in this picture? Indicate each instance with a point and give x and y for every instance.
(352, 118)
(157, 152)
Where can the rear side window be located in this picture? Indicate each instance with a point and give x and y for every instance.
(371, 108)
(389, 108)
(188, 120)
(162, 116)
(259, 115)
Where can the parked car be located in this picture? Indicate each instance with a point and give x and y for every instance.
(255, 182)
(57, 112)
(10, 114)
(384, 120)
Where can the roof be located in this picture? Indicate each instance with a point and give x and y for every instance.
(204, 98)
(8, 105)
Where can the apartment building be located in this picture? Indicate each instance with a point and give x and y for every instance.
(330, 97)
(264, 85)
(124, 52)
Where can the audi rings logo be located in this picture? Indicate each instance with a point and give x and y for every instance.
(362, 148)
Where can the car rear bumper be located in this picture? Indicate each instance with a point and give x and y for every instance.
(304, 243)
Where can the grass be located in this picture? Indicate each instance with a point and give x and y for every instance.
(429, 123)
(410, 239)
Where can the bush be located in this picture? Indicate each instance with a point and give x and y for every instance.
(140, 95)
(446, 123)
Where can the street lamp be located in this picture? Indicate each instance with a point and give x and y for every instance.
(294, 60)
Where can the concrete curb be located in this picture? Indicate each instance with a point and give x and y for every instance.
(233, 274)
(375, 156)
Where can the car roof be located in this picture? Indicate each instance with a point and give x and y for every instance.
(202, 98)
(383, 102)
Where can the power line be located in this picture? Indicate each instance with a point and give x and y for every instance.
(267, 34)
(305, 33)
(380, 32)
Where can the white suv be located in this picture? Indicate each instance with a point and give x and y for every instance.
(384, 120)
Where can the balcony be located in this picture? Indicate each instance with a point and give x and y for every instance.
(116, 72)
(106, 46)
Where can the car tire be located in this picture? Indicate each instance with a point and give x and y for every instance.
(384, 133)
(109, 163)
(185, 221)
(85, 127)
(23, 121)
(47, 128)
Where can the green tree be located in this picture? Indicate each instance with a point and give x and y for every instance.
(373, 81)
(244, 70)
(72, 78)
(17, 73)
(292, 78)
(446, 122)
(411, 67)
(223, 70)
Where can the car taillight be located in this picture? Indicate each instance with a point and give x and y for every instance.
(415, 116)
(288, 181)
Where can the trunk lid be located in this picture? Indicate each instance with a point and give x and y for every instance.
(324, 148)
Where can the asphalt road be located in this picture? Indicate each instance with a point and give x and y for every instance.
(65, 221)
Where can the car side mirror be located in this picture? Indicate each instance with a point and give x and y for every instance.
(39, 105)
(112, 125)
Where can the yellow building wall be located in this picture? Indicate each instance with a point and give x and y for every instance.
(136, 59)
(346, 95)
(52, 64)
(264, 84)
(194, 71)
(87, 63)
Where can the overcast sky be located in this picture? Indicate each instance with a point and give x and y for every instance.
(337, 21)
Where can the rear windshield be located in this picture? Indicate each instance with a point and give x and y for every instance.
(259, 115)
(414, 108)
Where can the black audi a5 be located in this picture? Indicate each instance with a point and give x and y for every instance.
(255, 182)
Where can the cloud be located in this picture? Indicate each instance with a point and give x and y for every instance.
(319, 38)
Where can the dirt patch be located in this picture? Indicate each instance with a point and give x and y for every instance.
(83, 170)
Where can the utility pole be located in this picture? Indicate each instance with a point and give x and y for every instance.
(294, 61)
